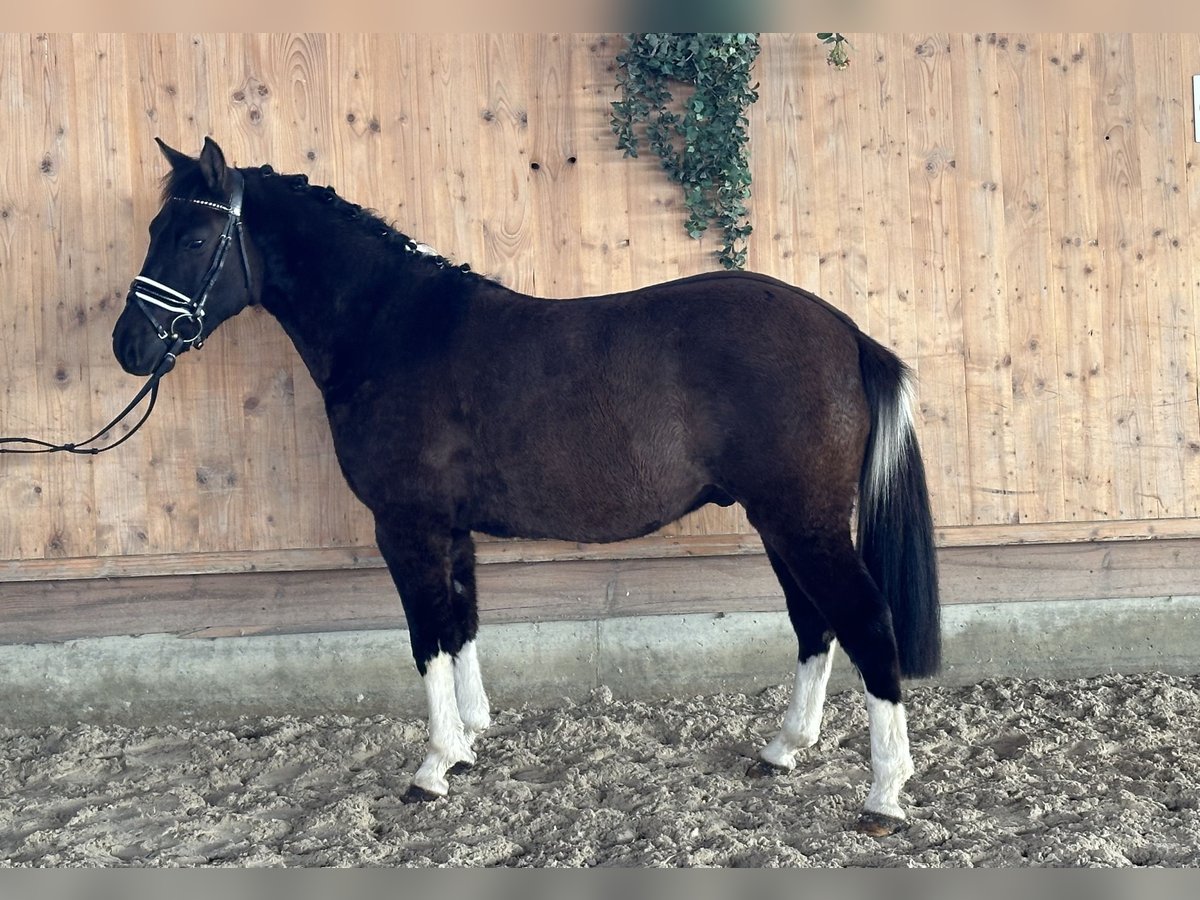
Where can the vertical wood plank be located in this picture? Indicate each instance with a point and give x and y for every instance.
(784, 167)
(1122, 237)
(553, 169)
(107, 247)
(937, 295)
(1075, 285)
(604, 229)
(499, 175)
(980, 235)
(61, 351)
(1162, 106)
(1036, 383)
(887, 210)
(844, 251)
(1188, 206)
(22, 227)
(826, 109)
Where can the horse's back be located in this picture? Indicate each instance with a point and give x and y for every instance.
(605, 417)
(704, 322)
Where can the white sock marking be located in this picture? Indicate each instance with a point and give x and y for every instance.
(473, 706)
(802, 721)
(448, 743)
(891, 764)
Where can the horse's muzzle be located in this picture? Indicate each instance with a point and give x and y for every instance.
(135, 345)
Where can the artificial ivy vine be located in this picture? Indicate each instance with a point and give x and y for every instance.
(701, 138)
(838, 57)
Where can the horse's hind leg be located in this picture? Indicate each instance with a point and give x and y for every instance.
(831, 573)
(421, 564)
(802, 721)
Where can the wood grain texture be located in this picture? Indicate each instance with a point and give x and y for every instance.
(990, 442)
(1036, 426)
(1018, 215)
(934, 184)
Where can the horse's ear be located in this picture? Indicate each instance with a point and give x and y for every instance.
(212, 164)
(174, 157)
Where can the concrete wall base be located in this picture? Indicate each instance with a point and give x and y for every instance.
(157, 677)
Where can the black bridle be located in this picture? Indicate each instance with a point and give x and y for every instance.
(188, 312)
(186, 326)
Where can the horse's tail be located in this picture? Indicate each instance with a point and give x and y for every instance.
(895, 526)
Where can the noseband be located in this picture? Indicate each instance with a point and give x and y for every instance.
(187, 324)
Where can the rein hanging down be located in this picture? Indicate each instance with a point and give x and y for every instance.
(35, 445)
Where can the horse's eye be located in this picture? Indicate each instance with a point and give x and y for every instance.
(193, 243)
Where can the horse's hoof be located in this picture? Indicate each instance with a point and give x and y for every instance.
(459, 768)
(416, 794)
(760, 768)
(879, 825)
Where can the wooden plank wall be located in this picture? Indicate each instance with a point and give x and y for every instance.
(1018, 215)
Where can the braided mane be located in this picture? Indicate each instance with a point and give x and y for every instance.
(190, 183)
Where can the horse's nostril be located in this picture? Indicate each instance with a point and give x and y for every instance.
(133, 355)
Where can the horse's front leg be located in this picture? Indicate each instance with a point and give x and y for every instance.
(421, 561)
(473, 706)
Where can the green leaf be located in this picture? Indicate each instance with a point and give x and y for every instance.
(701, 142)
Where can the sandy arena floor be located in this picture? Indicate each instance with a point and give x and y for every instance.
(1096, 772)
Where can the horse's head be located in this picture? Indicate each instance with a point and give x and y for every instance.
(189, 284)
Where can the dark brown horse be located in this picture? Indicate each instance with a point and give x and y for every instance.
(458, 405)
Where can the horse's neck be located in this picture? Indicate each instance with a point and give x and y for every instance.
(317, 286)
